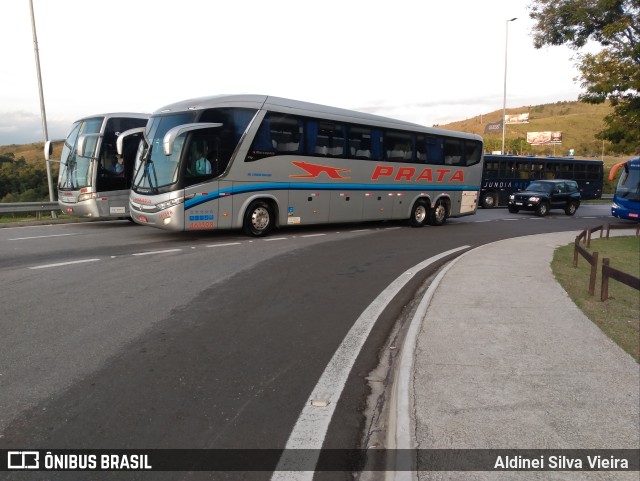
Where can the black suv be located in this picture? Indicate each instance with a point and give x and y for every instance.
(542, 195)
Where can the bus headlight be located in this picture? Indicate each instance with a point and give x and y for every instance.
(615, 206)
(83, 197)
(170, 203)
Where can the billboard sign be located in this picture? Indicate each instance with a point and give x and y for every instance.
(542, 138)
(511, 119)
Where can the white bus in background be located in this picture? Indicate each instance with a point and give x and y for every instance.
(257, 162)
(94, 181)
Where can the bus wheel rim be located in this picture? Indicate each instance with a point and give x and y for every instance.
(260, 218)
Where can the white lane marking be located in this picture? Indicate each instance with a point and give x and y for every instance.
(360, 230)
(41, 236)
(312, 424)
(225, 245)
(275, 239)
(511, 218)
(59, 264)
(156, 252)
(312, 235)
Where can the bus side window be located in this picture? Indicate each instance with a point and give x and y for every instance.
(434, 150)
(549, 171)
(398, 146)
(360, 142)
(453, 151)
(473, 152)
(262, 145)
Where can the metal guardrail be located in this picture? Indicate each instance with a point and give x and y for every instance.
(11, 207)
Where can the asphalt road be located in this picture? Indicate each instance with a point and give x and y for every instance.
(121, 336)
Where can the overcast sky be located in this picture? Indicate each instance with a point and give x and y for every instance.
(429, 62)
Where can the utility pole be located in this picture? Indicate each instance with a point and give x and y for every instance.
(42, 109)
(504, 95)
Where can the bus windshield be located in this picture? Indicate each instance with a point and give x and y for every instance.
(75, 170)
(197, 155)
(629, 184)
(154, 169)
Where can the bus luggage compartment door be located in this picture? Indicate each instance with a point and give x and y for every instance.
(308, 206)
(346, 206)
(378, 205)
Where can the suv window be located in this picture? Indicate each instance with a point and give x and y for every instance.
(572, 187)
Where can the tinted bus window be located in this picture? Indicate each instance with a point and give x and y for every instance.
(365, 143)
(398, 146)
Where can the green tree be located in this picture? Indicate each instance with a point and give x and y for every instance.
(612, 74)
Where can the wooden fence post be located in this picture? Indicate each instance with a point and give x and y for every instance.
(604, 284)
(594, 271)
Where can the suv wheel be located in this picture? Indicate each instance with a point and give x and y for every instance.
(513, 209)
(571, 208)
(542, 209)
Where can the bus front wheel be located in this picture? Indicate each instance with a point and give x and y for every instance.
(418, 213)
(258, 219)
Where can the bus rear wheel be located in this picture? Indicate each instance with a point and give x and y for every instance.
(258, 219)
(438, 215)
(418, 213)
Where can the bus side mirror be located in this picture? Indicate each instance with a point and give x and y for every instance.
(48, 150)
(127, 133)
(83, 143)
(172, 134)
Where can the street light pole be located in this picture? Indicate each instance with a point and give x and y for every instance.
(504, 94)
(42, 110)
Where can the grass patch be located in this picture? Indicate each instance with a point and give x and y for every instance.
(619, 316)
(26, 217)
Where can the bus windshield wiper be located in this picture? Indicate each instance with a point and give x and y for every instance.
(149, 169)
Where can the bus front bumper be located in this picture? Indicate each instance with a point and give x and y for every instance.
(622, 212)
(171, 218)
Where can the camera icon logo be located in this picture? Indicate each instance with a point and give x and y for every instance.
(23, 460)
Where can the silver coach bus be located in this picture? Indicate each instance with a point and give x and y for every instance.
(94, 181)
(256, 162)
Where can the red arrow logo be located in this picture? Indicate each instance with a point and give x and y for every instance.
(314, 171)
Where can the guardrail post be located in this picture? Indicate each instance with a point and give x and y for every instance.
(608, 229)
(575, 251)
(588, 238)
(604, 284)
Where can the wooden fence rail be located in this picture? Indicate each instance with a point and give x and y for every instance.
(609, 272)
